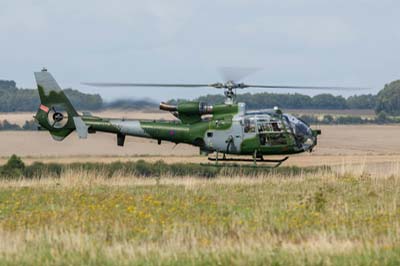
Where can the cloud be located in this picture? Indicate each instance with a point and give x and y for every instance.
(294, 41)
(303, 31)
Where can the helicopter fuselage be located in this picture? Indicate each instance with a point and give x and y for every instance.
(223, 128)
(227, 129)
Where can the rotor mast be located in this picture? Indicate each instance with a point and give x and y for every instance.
(230, 88)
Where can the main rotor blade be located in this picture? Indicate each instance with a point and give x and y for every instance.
(109, 84)
(215, 85)
(236, 74)
(303, 87)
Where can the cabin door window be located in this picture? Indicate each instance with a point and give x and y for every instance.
(270, 132)
(249, 125)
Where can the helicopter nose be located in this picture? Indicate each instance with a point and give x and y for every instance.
(303, 133)
(306, 137)
(309, 143)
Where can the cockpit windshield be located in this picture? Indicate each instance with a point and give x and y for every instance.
(276, 129)
(302, 132)
(300, 129)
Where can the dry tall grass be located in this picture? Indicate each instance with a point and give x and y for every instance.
(346, 217)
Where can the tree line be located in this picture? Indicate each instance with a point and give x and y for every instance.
(13, 99)
(381, 118)
(386, 102)
(299, 101)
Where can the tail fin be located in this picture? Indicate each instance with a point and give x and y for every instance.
(56, 113)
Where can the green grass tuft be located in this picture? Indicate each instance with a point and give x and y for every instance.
(15, 168)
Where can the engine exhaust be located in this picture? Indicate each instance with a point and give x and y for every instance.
(166, 107)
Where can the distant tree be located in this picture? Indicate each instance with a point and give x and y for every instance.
(13, 99)
(368, 101)
(350, 120)
(389, 99)
(327, 119)
(7, 85)
(211, 99)
(291, 101)
(130, 104)
(328, 101)
(84, 101)
(309, 119)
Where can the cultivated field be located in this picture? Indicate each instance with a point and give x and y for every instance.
(347, 214)
(370, 145)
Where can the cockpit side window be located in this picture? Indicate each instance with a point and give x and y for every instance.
(265, 126)
(249, 125)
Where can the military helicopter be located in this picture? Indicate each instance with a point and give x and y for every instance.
(226, 128)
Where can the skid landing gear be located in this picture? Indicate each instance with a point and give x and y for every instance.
(256, 159)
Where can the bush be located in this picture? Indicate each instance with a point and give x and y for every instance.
(5, 125)
(38, 170)
(14, 168)
(327, 119)
(382, 118)
(30, 125)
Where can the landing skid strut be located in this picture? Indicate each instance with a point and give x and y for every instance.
(259, 159)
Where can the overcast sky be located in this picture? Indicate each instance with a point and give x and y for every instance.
(298, 42)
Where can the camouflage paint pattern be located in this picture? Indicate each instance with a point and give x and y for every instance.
(227, 130)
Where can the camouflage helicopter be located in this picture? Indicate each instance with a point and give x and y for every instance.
(226, 128)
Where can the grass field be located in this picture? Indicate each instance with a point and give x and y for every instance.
(324, 218)
(349, 215)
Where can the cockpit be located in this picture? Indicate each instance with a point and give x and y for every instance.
(301, 131)
(300, 128)
(273, 129)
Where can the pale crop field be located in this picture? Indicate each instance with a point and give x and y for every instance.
(345, 217)
(367, 144)
(336, 141)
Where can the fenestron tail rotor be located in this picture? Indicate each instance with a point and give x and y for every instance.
(57, 117)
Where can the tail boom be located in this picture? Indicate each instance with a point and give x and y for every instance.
(57, 115)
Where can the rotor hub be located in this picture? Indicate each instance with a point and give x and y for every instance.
(58, 116)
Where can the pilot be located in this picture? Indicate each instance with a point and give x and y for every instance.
(275, 126)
